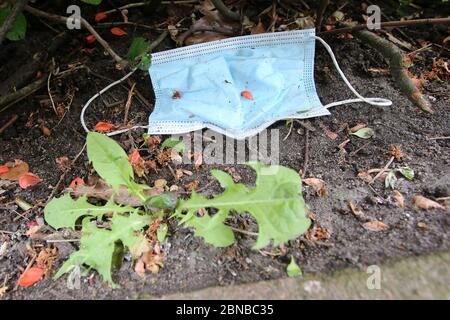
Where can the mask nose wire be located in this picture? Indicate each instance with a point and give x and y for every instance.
(372, 101)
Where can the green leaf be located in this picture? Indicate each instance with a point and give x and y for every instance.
(94, 2)
(111, 163)
(161, 233)
(407, 172)
(275, 203)
(364, 133)
(19, 27)
(63, 212)
(97, 246)
(176, 144)
(163, 201)
(139, 47)
(293, 270)
(390, 180)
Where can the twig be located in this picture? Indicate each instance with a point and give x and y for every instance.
(305, 162)
(9, 22)
(438, 138)
(21, 94)
(85, 24)
(9, 123)
(323, 4)
(243, 231)
(26, 269)
(403, 23)
(289, 132)
(62, 240)
(48, 87)
(443, 198)
(128, 103)
(225, 11)
(61, 179)
(141, 4)
(393, 54)
(383, 170)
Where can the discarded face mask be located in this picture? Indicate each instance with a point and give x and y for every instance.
(240, 86)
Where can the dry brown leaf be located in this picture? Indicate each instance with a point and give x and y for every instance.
(318, 185)
(160, 183)
(317, 233)
(425, 203)
(355, 210)
(365, 176)
(192, 185)
(198, 160)
(139, 268)
(63, 163)
(398, 197)
(422, 225)
(259, 28)
(357, 127)
(47, 258)
(16, 170)
(375, 225)
(102, 191)
(3, 291)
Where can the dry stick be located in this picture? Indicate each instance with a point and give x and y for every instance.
(439, 138)
(22, 93)
(305, 164)
(320, 11)
(388, 24)
(141, 4)
(128, 103)
(9, 123)
(85, 24)
(395, 57)
(383, 170)
(9, 22)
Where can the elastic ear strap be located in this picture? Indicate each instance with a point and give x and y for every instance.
(372, 101)
(85, 107)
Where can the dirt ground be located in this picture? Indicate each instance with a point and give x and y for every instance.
(191, 264)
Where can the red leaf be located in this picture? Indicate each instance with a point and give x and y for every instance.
(4, 169)
(90, 39)
(104, 127)
(329, 27)
(28, 180)
(247, 95)
(137, 163)
(30, 277)
(100, 16)
(76, 182)
(118, 31)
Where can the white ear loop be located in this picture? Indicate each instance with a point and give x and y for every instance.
(83, 111)
(372, 101)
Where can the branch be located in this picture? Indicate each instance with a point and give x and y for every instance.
(9, 22)
(85, 24)
(320, 11)
(393, 54)
(388, 24)
(225, 11)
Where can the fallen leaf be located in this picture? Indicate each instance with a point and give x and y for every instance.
(422, 225)
(176, 95)
(365, 176)
(357, 127)
(318, 186)
(118, 31)
(63, 163)
(3, 291)
(30, 277)
(76, 182)
(15, 170)
(198, 160)
(425, 203)
(160, 183)
(293, 270)
(317, 233)
(398, 197)
(328, 27)
(247, 95)
(139, 268)
(28, 180)
(192, 185)
(355, 210)
(90, 39)
(396, 152)
(375, 225)
(364, 133)
(46, 259)
(4, 169)
(100, 16)
(104, 126)
(137, 163)
(259, 28)
(331, 134)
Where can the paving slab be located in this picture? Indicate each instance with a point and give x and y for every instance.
(424, 277)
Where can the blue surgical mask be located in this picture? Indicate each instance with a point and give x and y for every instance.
(209, 85)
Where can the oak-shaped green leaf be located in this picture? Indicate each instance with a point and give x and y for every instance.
(275, 203)
(176, 144)
(364, 133)
(97, 246)
(63, 212)
(293, 270)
